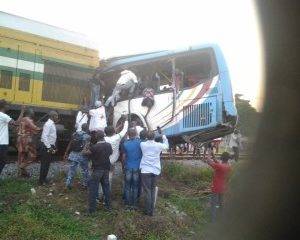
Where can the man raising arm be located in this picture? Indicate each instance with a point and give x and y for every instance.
(150, 168)
(218, 188)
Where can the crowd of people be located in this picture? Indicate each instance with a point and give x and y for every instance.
(93, 141)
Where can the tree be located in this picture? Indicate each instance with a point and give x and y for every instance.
(248, 117)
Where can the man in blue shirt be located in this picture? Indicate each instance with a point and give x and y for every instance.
(132, 157)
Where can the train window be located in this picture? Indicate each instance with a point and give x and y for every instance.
(65, 83)
(6, 79)
(24, 82)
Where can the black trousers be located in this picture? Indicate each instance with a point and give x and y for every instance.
(46, 159)
(3, 156)
(98, 177)
(236, 153)
(149, 184)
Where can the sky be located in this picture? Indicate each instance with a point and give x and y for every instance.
(121, 27)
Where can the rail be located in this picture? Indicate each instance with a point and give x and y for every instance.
(190, 156)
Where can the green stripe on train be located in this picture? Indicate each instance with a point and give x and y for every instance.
(16, 72)
(7, 52)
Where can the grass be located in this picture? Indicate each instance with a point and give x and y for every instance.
(181, 210)
(190, 176)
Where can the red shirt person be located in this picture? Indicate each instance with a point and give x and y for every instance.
(218, 188)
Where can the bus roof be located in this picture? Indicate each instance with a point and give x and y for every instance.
(112, 64)
(44, 30)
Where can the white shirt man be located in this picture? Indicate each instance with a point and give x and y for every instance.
(127, 76)
(150, 168)
(49, 134)
(98, 118)
(4, 138)
(4, 122)
(235, 144)
(81, 118)
(127, 81)
(114, 141)
(48, 138)
(235, 140)
(151, 150)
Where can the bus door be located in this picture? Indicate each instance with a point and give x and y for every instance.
(8, 63)
(24, 74)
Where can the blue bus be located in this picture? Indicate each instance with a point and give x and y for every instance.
(193, 99)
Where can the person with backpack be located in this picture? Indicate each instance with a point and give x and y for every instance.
(79, 142)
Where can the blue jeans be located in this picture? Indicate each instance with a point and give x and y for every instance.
(132, 179)
(98, 176)
(78, 160)
(216, 204)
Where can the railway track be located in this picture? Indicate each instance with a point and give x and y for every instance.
(189, 156)
(165, 156)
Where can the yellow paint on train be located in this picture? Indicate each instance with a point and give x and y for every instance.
(35, 47)
(33, 97)
(50, 48)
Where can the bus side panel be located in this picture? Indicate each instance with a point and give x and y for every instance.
(228, 99)
(227, 95)
(196, 108)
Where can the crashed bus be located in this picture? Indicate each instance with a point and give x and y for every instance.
(196, 107)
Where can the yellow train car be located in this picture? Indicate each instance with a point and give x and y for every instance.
(43, 66)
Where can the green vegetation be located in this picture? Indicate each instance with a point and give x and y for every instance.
(193, 177)
(52, 213)
(248, 117)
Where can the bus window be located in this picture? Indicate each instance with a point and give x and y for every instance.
(164, 76)
(197, 68)
(6, 79)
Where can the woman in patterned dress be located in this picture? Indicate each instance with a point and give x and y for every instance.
(26, 144)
